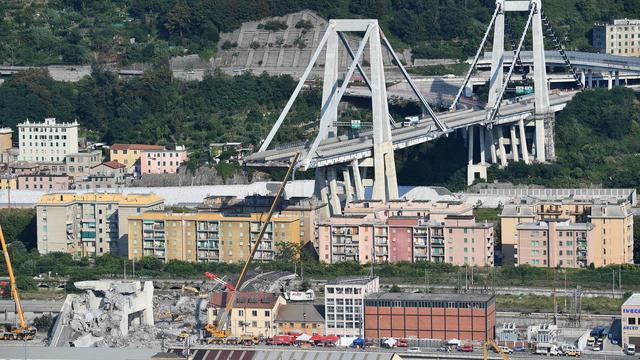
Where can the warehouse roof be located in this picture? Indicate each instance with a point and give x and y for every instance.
(291, 354)
(130, 199)
(633, 300)
(430, 297)
(136, 147)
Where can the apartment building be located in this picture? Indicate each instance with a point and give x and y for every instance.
(8, 182)
(44, 182)
(305, 209)
(162, 161)
(89, 224)
(620, 38)
(47, 142)
(208, 237)
(79, 164)
(630, 312)
(129, 154)
(554, 243)
(253, 313)
(344, 304)
(611, 233)
(407, 231)
(467, 317)
(6, 139)
(106, 175)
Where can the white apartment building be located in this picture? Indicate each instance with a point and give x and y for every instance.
(344, 304)
(621, 38)
(47, 142)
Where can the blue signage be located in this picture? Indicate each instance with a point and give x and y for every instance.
(631, 311)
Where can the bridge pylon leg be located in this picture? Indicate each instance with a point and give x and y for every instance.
(334, 200)
(514, 144)
(348, 189)
(503, 152)
(357, 180)
(321, 192)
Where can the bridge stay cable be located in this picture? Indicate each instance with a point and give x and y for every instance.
(494, 110)
(512, 41)
(365, 78)
(475, 59)
(303, 79)
(560, 48)
(439, 124)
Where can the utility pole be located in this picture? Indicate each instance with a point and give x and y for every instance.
(133, 265)
(565, 290)
(124, 273)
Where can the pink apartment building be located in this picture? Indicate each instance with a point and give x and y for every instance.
(43, 182)
(162, 161)
(406, 231)
(555, 242)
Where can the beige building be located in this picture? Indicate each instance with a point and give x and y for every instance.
(89, 224)
(79, 164)
(8, 182)
(5, 139)
(620, 38)
(207, 237)
(301, 318)
(306, 210)
(253, 313)
(47, 142)
(612, 226)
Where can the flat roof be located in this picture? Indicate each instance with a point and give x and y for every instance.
(130, 199)
(351, 280)
(633, 300)
(430, 297)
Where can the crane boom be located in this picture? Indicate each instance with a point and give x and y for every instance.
(12, 280)
(263, 229)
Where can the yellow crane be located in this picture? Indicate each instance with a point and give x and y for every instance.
(23, 331)
(220, 331)
(498, 349)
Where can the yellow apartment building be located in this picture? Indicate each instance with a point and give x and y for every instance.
(302, 318)
(8, 183)
(129, 154)
(612, 234)
(208, 237)
(90, 224)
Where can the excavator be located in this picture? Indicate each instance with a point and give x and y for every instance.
(23, 331)
(218, 330)
(496, 348)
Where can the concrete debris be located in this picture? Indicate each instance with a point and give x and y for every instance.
(104, 314)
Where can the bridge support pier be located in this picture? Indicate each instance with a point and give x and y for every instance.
(476, 171)
(610, 80)
(617, 74)
(523, 142)
(357, 180)
(590, 75)
(503, 153)
(348, 189)
(514, 145)
(321, 192)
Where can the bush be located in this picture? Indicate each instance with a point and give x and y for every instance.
(304, 24)
(274, 25)
(26, 283)
(43, 323)
(229, 45)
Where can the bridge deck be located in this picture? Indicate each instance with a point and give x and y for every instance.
(342, 149)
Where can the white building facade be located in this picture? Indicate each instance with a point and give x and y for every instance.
(344, 305)
(630, 318)
(620, 38)
(47, 142)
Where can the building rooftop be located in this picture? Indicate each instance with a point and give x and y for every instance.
(430, 297)
(351, 280)
(130, 199)
(301, 313)
(111, 164)
(136, 147)
(633, 300)
(247, 299)
(47, 122)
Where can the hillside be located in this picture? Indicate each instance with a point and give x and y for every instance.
(127, 31)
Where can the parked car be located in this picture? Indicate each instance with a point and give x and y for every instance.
(596, 347)
(519, 349)
(505, 350)
(414, 349)
(631, 349)
(445, 349)
(466, 348)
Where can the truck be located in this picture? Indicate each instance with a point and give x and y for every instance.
(281, 340)
(630, 350)
(410, 121)
(547, 349)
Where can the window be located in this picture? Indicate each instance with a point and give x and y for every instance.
(254, 312)
(631, 321)
(240, 312)
(267, 313)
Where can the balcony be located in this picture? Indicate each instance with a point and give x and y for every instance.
(88, 234)
(381, 241)
(437, 242)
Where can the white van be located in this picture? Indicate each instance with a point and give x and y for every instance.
(631, 349)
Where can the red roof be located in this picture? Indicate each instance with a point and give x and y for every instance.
(136, 147)
(112, 164)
